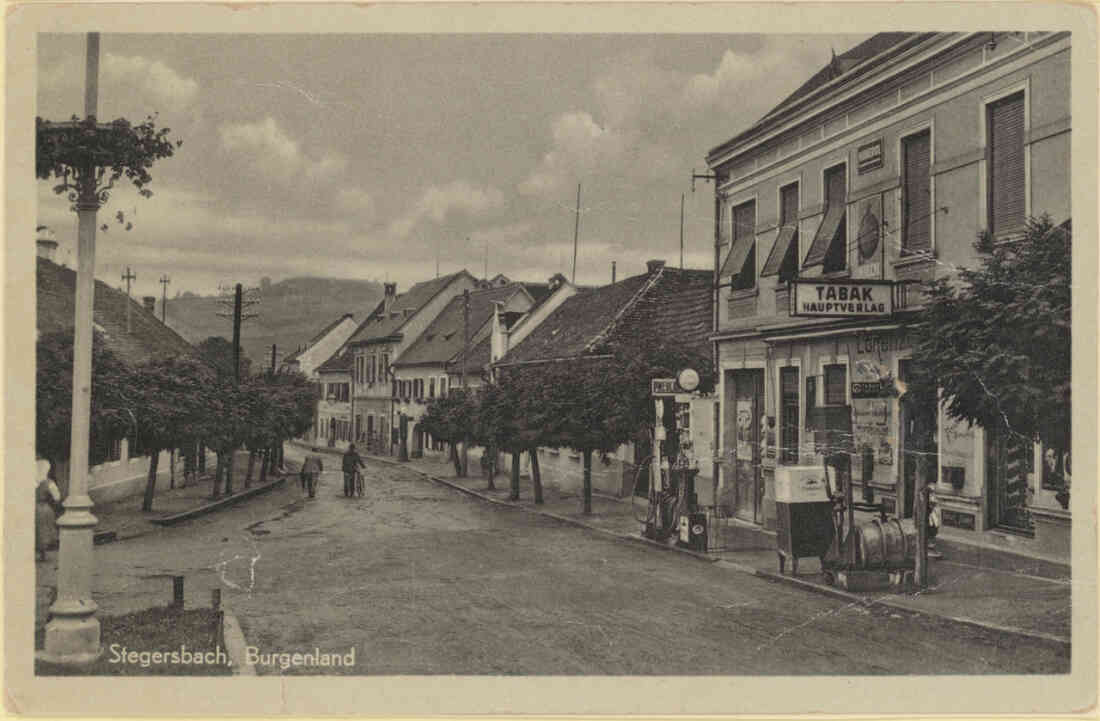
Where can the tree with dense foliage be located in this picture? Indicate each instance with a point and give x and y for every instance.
(111, 412)
(218, 352)
(168, 398)
(594, 404)
(995, 341)
(451, 419)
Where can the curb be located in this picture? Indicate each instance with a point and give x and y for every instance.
(742, 568)
(235, 645)
(217, 505)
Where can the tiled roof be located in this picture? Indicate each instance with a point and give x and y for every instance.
(315, 339)
(444, 338)
(148, 337)
(676, 304)
(836, 67)
(378, 326)
(841, 64)
(478, 359)
(339, 362)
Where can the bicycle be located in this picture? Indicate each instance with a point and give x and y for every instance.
(359, 484)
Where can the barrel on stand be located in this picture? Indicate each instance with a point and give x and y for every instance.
(886, 544)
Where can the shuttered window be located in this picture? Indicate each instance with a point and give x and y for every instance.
(829, 244)
(916, 198)
(1005, 163)
(741, 261)
(783, 258)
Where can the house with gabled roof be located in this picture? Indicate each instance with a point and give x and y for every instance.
(381, 339)
(421, 372)
(672, 303)
(117, 467)
(320, 347)
(332, 419)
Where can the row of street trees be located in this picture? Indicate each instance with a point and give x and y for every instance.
(590, 404)
(185, 403)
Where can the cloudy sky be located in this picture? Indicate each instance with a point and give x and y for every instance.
(365, 156)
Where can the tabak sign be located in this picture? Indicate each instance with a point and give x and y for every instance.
(842, 298)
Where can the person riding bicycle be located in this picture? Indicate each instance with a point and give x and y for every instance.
(352, 462)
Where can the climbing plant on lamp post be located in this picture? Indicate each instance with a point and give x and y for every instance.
(87, 158)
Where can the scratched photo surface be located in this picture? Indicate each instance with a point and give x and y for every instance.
(554, 355)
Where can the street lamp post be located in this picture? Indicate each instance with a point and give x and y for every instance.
(72, 635)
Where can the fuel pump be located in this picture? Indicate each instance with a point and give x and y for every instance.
(673, 501)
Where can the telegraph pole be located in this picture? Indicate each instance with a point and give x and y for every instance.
(576, 233)
(681, 231)
(164, 281)
(237, 334)
(128, 276)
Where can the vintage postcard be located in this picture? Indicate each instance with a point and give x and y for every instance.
(612, 359)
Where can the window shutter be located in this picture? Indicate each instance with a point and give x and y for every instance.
(743, 240)
(917, 189)
(1006, 164)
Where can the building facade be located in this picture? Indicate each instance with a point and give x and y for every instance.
(874, 176)
(380, 340)
(332, 424)
(420, 373)
(320, 347)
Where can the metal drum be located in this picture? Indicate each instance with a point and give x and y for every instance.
(886, 543)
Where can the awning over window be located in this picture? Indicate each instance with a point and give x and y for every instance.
(779, 250)
(826, 232)
(736, 259)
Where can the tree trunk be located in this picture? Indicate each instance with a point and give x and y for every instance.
(454, 459)
(514, 496)
(216, 492)
(587, 481)
(263, 466)
(536, 475)
(172, 469)
(465, 458)
(282, 460)
(202, 457)
(151, 481)
(229, 472)
(251, 465)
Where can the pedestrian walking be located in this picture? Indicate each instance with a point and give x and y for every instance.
(47, 506)
(352, 462)
(312, 468)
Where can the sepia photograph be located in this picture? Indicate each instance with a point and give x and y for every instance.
(470, 352)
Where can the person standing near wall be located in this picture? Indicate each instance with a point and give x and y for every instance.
(47, 506)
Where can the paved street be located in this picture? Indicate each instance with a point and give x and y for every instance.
(424, 580)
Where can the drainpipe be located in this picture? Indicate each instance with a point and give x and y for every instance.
(714, 328)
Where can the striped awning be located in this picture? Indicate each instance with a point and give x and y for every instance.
(779, 250)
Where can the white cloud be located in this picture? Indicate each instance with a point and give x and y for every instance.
(277, 155)
(355, 202)
(580, 147)
(152, 77)
(438, 201)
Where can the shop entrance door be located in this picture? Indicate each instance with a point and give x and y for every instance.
(1008, 464)
(919, 447)
(744, 405)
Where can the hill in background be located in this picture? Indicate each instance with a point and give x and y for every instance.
(291, 312)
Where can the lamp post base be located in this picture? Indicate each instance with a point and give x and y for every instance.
(72, 641)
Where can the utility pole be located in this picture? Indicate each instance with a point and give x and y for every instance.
(486, 258)
(576, 233)
(164, 281)
(437, 243)
(128, 276)
(681, 231)
(612, 272)
(242, 299)
(465, 352)
(272, 359)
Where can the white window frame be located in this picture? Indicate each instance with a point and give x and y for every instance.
(983, 165)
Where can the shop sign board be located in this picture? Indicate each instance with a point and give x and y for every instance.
(664, 387)
(820, 298)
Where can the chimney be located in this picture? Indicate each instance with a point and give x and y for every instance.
(612, 272)
(389, 296)
(150, 303)
(652, 266)
(555, 281)
(46, 242)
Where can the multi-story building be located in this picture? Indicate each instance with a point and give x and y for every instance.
(332, 423)
(381, 339)
(880, 171)
(420, 373)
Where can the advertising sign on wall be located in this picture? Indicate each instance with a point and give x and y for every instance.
(842, 299)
